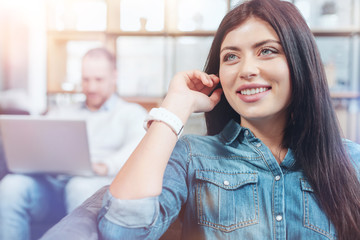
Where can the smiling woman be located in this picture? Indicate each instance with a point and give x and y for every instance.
(255, 75)
(273, 165)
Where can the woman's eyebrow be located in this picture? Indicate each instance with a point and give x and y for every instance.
(256, 45)
(233, 48)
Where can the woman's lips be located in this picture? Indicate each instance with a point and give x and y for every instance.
(253, 94)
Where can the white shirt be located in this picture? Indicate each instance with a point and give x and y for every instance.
(113, 131)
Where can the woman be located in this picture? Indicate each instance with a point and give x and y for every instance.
(273, 166)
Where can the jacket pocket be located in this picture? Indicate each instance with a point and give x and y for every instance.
(227, 201)
(314, 217)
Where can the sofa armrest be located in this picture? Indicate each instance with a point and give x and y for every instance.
(80, 224)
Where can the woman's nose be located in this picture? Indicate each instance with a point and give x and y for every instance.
(248, 68)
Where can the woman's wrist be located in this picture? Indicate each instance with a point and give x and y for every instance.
(167, 117)
(179, 105)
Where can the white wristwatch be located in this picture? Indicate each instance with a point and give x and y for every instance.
(167, 117)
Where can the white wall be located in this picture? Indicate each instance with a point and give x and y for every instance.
(23, 50)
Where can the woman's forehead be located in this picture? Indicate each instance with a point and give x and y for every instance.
(250, 31)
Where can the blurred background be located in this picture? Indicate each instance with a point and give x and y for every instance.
(42, 42)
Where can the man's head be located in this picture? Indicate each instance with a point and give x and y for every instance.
(98, 77)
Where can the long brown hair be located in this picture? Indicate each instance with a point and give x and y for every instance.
(312, 130)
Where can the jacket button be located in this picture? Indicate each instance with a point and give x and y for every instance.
(278, 218)
(226, 183)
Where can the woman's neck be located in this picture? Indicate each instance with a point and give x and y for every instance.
(271, 133)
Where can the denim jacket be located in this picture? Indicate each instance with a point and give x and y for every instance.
(229, 186)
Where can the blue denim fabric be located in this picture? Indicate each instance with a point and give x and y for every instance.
(231, 187)
(27, 200)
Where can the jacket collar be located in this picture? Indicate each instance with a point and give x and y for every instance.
(231, 132)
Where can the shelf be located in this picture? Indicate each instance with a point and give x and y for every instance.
(72, 34)
(54, 92)
(147, 102)
(66, 35)
(344, 32)
(345, 95)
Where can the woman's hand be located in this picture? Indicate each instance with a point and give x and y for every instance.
(189, 92)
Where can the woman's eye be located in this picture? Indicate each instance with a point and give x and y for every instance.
(230, 57)
(267, 51)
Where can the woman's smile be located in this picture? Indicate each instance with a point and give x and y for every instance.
(253, 92)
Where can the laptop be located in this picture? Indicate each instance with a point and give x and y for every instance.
(39, 144)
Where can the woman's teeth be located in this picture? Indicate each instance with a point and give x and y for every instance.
(252, 91)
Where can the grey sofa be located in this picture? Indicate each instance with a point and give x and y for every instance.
(81, 224)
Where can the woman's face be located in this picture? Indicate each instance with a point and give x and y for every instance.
(254, 72)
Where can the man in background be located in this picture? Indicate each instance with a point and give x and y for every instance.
(114, 129)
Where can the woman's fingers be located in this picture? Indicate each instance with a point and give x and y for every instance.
(215, 97)
(207, 103)
(195, 89)
(202, 82)
(214, 78)
(199, 78)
